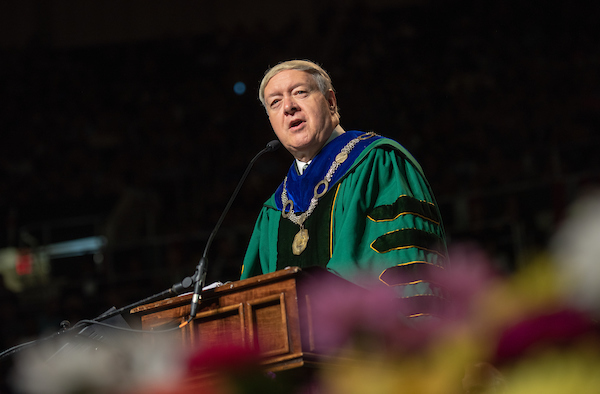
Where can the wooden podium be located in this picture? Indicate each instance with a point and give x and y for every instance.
(271, 313)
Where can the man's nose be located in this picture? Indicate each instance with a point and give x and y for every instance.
(290, 105)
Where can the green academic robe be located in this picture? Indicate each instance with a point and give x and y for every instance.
(377, 222)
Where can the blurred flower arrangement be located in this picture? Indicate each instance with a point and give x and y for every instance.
(534, 331)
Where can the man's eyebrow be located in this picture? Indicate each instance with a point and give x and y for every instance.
(295, 86)
(273, 94)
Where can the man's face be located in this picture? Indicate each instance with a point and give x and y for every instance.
(301, 116)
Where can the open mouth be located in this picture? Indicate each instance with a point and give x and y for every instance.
(296, 123)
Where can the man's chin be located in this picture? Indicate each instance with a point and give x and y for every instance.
(299, 146)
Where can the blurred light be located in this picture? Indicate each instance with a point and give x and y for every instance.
(239, 88)
(77, 247)
(24, 264)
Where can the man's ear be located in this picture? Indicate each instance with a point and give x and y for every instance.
(332, 101)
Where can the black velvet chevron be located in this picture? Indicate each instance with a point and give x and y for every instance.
(405, 205)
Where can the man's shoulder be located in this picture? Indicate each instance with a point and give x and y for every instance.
(384, 144)
(270, 203)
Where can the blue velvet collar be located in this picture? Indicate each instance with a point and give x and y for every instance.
(300, 188)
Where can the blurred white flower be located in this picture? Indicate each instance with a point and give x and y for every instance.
(575, 248)
(80, 365)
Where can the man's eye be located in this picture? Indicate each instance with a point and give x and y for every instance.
(275, 102)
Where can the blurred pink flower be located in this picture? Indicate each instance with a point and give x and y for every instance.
(468, 275)
(229, 369)
(560, 328)
(223, 358)
(370, 319)
(373, 317)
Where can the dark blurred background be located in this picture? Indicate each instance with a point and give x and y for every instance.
(126, 125)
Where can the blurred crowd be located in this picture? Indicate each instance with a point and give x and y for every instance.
(146, 141)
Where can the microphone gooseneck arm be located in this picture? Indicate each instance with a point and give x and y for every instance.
(199, 277)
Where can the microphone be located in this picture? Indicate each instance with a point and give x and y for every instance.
(200, 275)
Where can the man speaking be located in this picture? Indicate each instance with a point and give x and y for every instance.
(354, 203)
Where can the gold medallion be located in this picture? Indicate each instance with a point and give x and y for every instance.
(300, 241)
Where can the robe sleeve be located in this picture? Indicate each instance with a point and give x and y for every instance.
(386, 225)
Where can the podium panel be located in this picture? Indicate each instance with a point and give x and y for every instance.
(222, 325)
(270, 313)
